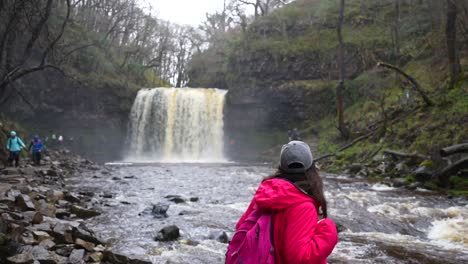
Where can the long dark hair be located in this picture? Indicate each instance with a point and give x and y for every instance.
(309, 181)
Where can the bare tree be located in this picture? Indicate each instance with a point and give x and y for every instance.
(30, 51)
(341, 69)
(451, 37)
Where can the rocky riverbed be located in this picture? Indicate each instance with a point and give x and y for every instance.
(41, 221)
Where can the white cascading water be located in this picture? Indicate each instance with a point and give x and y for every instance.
(177, 125)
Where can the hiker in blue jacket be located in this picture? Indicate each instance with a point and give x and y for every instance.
(14, 146)
(37, 147)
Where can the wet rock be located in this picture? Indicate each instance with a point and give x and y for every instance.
(398, 182)
(355, 168)
(54, 195)
(175, 198)
(72, 198)
(62, 213)
(76, 256)
(62, 234)
(82, 212)
(194, 199)
(23, 258)
(48, 243)
(25, 203)
(52, 172)
(46, 209)
(115, 258)
(422, 174)
(64, 250)
(41, 235)
(84, 244)
(25, 189)
(10, 171)
(84, 234)
(187, 212)
(168, 233)
(107, 195)
(116, 179)
(27, 238)
(414, 186)
(96, 257)
(160, 210)
(88, 194)
(3, 226)
(43, 256)
(223, 238)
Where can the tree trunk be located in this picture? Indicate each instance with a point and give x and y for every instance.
(341, 68)
(451, 34)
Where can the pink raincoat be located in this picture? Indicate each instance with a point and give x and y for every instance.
(299, 236)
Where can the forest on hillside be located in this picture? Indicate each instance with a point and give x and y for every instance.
(389, 72)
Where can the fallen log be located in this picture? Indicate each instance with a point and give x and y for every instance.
(459, 148)
(451, 169)
(398, 154)
(350, 144)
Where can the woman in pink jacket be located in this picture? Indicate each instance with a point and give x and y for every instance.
(294, 194)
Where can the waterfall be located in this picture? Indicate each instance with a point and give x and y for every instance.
(177, 124)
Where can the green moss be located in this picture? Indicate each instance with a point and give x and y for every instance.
(410, 179)
(426, 163)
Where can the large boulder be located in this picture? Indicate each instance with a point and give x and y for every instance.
(168, 233)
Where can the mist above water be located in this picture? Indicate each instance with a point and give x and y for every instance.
(177, 125)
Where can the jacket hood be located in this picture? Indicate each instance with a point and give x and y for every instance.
(279, 194)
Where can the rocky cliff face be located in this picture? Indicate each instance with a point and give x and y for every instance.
(92, 116)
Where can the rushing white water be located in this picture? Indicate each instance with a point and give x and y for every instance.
(177, 125)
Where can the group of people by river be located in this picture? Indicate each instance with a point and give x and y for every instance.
(15, 145)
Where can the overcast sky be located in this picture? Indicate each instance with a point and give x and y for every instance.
(190, 12)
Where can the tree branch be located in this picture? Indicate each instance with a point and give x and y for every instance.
(412, 80)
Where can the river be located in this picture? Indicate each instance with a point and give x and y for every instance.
(379, 224)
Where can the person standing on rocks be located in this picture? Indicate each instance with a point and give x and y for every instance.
(37, 147)
(283, 223)
(14, 145)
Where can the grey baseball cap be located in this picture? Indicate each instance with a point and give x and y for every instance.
(296, 157)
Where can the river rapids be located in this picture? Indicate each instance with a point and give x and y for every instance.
(378, 224)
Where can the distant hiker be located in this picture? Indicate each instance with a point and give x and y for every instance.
(282, 223)
(289, 135)
(14, 146)
(60, 140)
(37, 147)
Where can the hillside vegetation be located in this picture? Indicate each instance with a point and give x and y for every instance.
(289, 57)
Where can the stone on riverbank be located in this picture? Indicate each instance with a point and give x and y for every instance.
(25, 203)
(168, 233)
(82, 212)
(175, 198)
